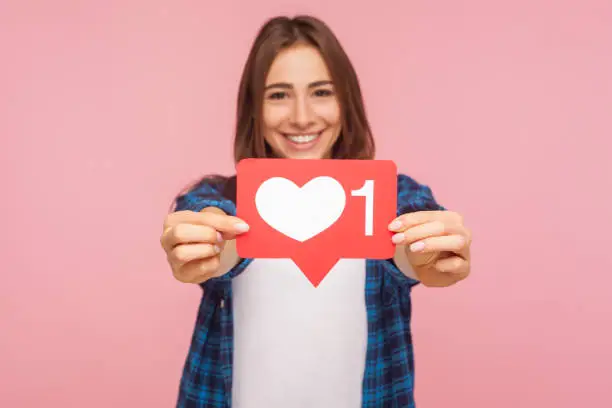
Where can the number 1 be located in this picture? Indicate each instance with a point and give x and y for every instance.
(367, 191)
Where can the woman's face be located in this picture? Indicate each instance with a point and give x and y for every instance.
(301, 113)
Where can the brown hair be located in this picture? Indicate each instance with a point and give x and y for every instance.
(355, 140)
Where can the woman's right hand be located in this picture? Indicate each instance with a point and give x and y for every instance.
(194, 242)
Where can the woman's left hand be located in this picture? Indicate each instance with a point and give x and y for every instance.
(437, 243)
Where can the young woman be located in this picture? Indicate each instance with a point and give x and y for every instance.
(264, 337)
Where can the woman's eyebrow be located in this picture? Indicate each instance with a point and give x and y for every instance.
(319, 83)
(286, 85)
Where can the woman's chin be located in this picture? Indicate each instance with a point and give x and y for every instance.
(291, 151)
(303, 155)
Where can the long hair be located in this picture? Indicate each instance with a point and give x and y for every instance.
(277, 34)
(355, 140)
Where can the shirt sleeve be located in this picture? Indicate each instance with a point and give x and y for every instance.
(411, 197)
(207, 193)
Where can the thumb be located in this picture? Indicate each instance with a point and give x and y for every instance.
(227, 225)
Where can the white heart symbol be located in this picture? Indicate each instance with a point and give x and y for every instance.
(300, 213)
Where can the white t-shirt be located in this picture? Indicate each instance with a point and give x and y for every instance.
(297, 346)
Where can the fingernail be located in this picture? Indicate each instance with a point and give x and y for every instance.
(219, 237)
(397, 238)
(241, 227)
(397, 224)
(216, 249)
(417, 246)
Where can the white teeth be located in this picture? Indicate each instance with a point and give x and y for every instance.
(302, 138)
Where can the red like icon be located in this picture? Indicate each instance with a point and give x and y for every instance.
(316, 211)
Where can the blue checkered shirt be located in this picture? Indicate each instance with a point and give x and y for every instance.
(389, 371)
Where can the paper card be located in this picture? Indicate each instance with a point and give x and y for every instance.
(316, 211)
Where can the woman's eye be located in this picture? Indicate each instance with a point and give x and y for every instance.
(277, 95)
(323, 92)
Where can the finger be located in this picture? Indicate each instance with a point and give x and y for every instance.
(453, 264)
(190, 234)
(413, 219)
(183, 254)
(422, 231)
(228, 225)
(198, 271)
(447, 243)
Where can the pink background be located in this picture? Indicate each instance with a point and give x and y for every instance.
(108, 109)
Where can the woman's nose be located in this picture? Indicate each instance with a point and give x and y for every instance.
(302, 114)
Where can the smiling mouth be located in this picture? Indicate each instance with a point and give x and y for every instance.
(303, 138)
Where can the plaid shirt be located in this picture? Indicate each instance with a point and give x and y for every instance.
(389, 371)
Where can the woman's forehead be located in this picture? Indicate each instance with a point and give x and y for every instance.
(299, 65)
